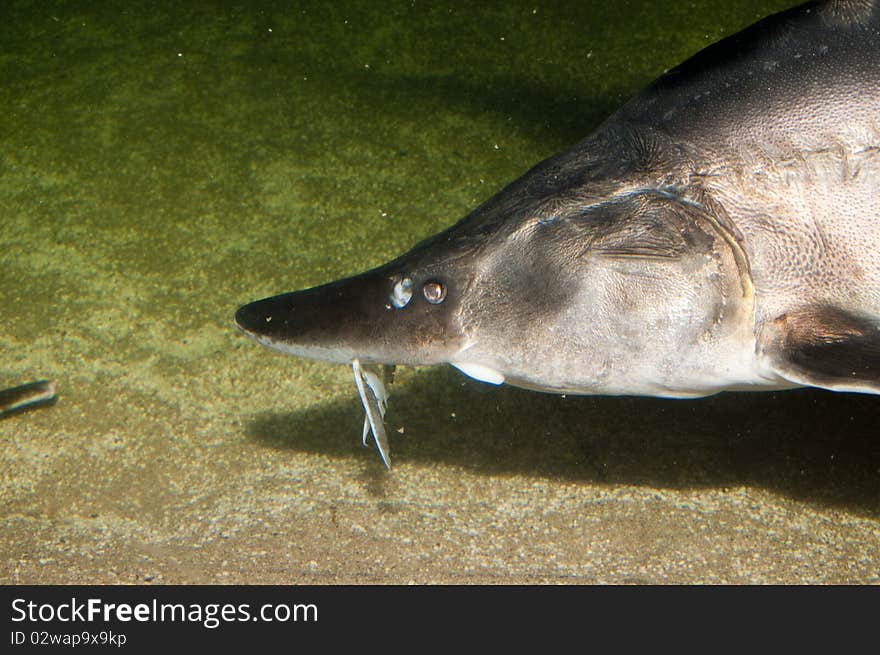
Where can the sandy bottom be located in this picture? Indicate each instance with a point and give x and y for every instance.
(161, 165)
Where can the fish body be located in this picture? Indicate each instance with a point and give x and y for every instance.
(720, 231)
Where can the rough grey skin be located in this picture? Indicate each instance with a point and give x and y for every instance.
(720, 231)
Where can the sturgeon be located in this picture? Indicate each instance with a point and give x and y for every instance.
(720, 231)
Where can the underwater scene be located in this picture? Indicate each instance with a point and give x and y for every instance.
(163, 163)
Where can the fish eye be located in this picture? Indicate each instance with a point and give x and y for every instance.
(402, 293)
(434, 292)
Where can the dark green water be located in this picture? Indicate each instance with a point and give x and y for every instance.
(162, 163)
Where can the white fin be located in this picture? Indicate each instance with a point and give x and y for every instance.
(480, 372)
(374, 378)
(374, 381)
(366, 430)
(374, 398)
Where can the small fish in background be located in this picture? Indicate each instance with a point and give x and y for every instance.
(720, 231)
(26, 396)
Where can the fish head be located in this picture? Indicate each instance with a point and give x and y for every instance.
(550, 285)
(403, 312)
(559, 283)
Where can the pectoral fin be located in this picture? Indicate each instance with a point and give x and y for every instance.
(825, 347)
(371, 388)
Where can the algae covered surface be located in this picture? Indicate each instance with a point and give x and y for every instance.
(162, 163)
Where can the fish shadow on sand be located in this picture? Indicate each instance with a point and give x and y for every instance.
(808, 444)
